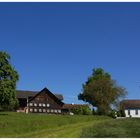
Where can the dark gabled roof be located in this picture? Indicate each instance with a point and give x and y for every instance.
(71, 106)
(130, 104)
(50, 94)
(59, 96)
(26, 94)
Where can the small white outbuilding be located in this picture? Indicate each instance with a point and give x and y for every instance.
(131, 108)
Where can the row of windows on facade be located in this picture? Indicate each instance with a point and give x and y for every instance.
(136, 112)
(45, 110)
(40, 104)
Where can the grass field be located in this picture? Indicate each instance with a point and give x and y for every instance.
(65, 126)
(41, 125)
(123, 128)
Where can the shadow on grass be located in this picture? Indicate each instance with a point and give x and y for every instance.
(3, 113)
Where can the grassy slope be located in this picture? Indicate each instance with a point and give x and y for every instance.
(35, 125)
(123, 128)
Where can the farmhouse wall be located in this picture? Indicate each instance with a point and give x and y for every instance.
(133, 113)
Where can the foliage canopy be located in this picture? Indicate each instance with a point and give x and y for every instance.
(8, 79)
(101, 91)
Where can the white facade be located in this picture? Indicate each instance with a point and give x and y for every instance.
(132, 113)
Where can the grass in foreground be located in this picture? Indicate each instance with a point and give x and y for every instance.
(66, 126)
(40, 125)
(123, 128)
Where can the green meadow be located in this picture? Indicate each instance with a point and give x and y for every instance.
(121, 128)
(22, 125)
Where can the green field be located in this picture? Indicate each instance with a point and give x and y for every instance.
(41, 125)
(57, 126)
(122, 128)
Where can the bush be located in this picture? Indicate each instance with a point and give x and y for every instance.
(122, 113)
(113, 114)
(12, 106)
(119, 114)
(76, 110)
(94, 112)
(81, 110)
(86, 110)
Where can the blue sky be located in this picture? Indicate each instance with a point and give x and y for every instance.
(58, 44)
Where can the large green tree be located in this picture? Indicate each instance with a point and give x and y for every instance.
(8, 79)
(101, 91)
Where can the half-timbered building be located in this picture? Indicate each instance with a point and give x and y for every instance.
(40, 102)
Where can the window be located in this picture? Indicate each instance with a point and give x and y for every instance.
(128, 112)
(59, 111)
(40, 110)
(35, 104)
(44, 110)
(51, 110)
(55, 111)
(31, 110)
(48, 110)
(136, 111)
(40, 104)
(31, 104)
(44, 105)
(35, 110)
(48, 105)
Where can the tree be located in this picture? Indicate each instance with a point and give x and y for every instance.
(101, 91)
(8, 79)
